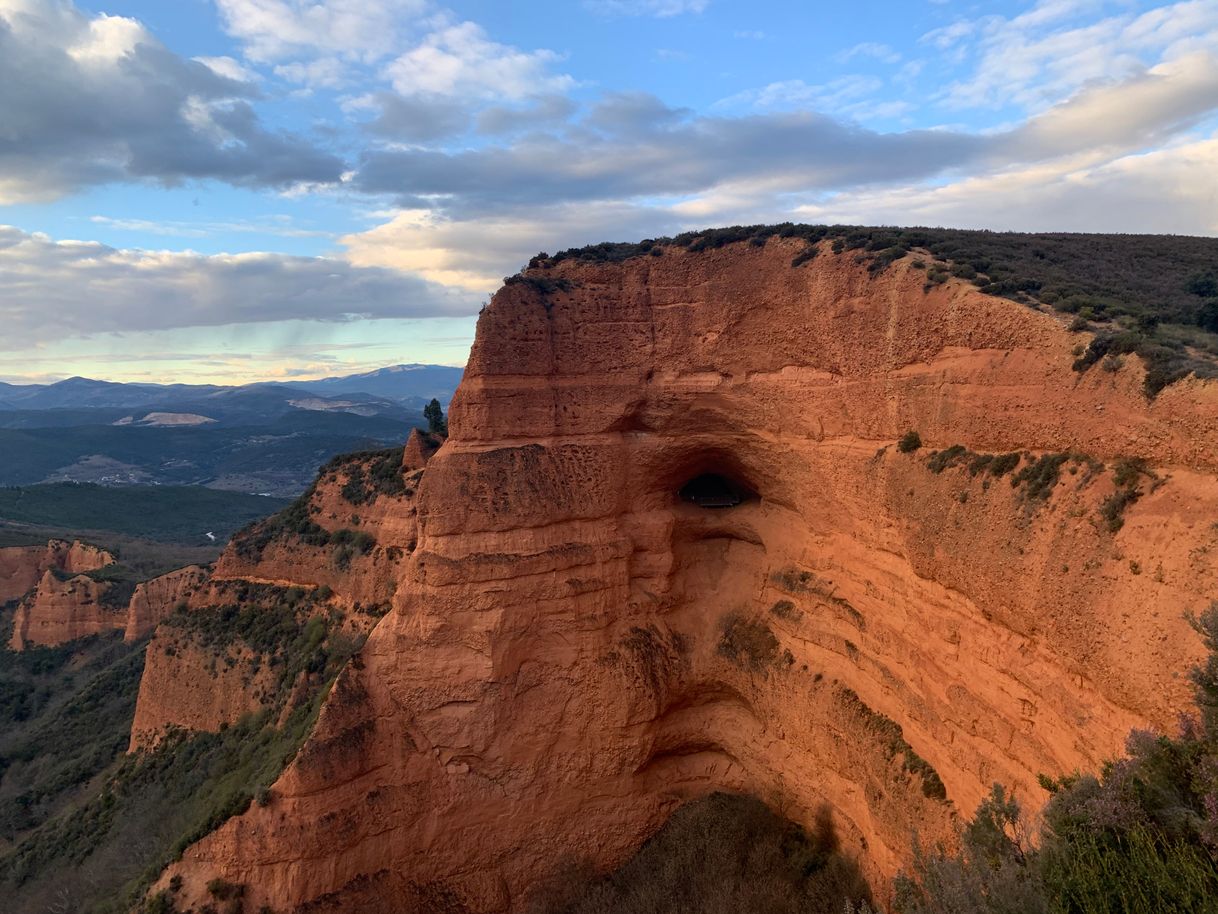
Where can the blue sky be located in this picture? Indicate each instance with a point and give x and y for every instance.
(229, 190)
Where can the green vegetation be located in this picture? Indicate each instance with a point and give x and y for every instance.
(294, 522)
(1141, 836)
(372, 474)
(1127, 475)
(436, 423)
(890, 734)
(67, 713)
(130, 815)
(1155, 294)
(278, 455)
(1039, 476)
(785, 609)
(909, 442)
(173, 514)
(996, 465)
(719, 855)
(143, 558)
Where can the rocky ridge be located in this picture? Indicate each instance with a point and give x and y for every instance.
(22, 567)
(573, 648)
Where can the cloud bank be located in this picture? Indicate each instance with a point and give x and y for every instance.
(96, 100)
(53, 289)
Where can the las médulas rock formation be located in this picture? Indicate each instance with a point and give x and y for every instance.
(573, 650)
(155, 599)
(66, 606)
(183, 687)
(22, 567)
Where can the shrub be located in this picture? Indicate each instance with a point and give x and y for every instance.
(749, 643)
(909, 442)
(722, 853)
(892, 738)
(941, 460)
(1141, 836)
(1040, 476)
(1127, 473)
(785, 609)
(219, 888)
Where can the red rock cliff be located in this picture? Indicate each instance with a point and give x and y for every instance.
(22, 567)
(61, 610)
(64, 606)
(574, 648)
(184, 686)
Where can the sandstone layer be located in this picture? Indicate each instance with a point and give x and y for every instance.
(65, 606)
(22, 567)
(574, 648)
(349, 568)
(155, 599)
(64, 609)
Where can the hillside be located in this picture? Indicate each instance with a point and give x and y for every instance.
(835, 529)
(215, 705)
(257, 438)
(172, 514)
(672, 547)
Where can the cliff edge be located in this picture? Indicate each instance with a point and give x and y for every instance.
(672, 546)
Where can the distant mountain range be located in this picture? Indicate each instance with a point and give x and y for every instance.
(407, 385)
(266, 438)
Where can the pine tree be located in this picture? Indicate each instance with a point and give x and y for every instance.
(436, 423)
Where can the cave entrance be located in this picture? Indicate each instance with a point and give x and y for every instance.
(714, 490)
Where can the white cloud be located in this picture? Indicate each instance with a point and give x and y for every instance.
(1171, 190)
(363, 30)
(476, 252)
(875, 50)
(662, 9)
(229, 68)
(1140, 111)
(51, 289)
(459, 59)
(416, 45)
(89, 100)
(1043, 56)
(853, 96)
(280, 226)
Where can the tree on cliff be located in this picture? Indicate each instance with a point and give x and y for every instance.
(436, 423)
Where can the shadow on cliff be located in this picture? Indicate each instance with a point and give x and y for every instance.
(722, 854)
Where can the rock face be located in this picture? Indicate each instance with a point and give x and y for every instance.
(63, 609)
(581, 640)
(66, 606)
(418, 450)
(350, 564)
(22, 567)
(155, 599)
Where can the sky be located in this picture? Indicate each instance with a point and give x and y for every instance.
(237, 190)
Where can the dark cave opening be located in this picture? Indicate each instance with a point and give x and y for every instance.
(714, 490)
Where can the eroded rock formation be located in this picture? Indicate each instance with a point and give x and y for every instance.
(63, 609)
(348, 561)
(574, 648)
(155, 599)
(22, 567)
(66, 606)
